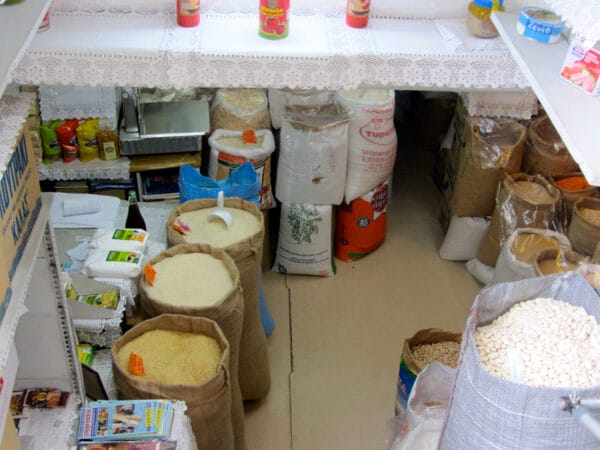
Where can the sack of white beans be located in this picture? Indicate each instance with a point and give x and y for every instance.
(537, 346)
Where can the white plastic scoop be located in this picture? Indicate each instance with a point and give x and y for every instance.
(220, 212)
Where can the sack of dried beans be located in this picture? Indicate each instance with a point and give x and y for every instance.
(584, 230)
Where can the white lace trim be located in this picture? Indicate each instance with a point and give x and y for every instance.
(582, 15)
(85, 47)
(60, 102)
(516, 105)
(92, 170)
(13, 112)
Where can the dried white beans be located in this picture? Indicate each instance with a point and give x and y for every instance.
(542, 342)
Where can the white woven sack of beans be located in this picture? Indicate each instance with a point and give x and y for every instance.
(463, 238)
(509, 268)
(372, 139)
(490, 412)
(280, 98)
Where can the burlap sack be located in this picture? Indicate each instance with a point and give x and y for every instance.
(254, 371)
(513, 267)
(596, 256)
(545, 152)
(410, 367)
(490, 412)
(570, 197)
(493, 148)
(584, 234)
(561, 260)
(228, 312)
(208, 404)
(513, 211)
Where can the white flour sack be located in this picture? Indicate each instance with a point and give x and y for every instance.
(230, 149)
(280, 98)
(313, 155)
(372, 139)
(304, 246)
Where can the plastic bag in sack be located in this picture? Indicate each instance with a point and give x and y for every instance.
(243, 182)
(421, 427)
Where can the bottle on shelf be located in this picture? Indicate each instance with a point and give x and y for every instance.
(134, 216)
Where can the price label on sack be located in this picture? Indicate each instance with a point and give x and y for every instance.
(249, 137)
(136, 365)
(149, 274)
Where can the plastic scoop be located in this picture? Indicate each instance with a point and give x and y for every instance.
(220, 212)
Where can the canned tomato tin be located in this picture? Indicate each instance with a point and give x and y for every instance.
(45, 22)
(273, 18)
(540, 24)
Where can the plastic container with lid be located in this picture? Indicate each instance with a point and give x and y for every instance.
(540, 24)
(479, 21)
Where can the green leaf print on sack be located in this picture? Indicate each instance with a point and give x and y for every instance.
(304, 220)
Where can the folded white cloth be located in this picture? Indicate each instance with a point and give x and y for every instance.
(78, 206)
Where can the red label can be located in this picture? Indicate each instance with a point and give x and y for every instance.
(357, 13)
(273, 18)
(45, 22)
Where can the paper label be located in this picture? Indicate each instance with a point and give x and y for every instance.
(123, 257)
(121, 234)
(136, 365)
(150, 274)
(249, 137)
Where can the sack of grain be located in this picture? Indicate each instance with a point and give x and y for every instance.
(584, 230)
(545, 152)
(304, 246)
(573, 186)
(208, 402)
(197, 280)
(490, 411)
(557, 260)
(493, 148)
(480, 271)
(520, 251)
(372, 139)
(240, 109)
(280, 98)
(243, 242)
(522, 201)
(230, 149)
(313, 155)
(426, 346)
(463, 238)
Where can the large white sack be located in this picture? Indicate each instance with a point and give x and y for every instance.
(482, 272)
(463, 238)
(372, 139)
(280, 98)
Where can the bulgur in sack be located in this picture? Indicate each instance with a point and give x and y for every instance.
(208, 403)
(557, 260)
(254, 370)
(584, 230)
(190, 299)
(240, 109)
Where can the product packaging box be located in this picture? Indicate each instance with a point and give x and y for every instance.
(582, 67)
(91, 299)
(20, 202)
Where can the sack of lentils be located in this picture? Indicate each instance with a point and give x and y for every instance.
(573, 186)
(426, 346)
(197, 280)
(180, 358)
(526, 344)
(243, 242)
(584, 230)
(522, 201)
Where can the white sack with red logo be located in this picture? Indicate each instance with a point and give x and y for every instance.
(372, 139)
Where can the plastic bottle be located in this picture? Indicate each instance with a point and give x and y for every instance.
(357, 13)
(134, 216)
(188, 13)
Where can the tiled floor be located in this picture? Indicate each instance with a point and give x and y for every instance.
(336, 347)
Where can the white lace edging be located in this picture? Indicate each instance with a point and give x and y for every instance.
(92, 170)
(516, 105)
(13, 112)
(582, 15)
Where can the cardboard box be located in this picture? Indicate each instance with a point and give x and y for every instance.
(20, 202)
(91, 299)
(582, 67)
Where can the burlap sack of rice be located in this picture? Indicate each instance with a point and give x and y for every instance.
(412, 364)
(227, 310)
(493, 148)
(520, 251)
(557, 260)
(208, 403)
(570, 196)
(584, 230)
(254, 371)
(545, 152)
(240, 109)
(522, 201)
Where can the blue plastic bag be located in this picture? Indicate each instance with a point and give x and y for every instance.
(243, 182)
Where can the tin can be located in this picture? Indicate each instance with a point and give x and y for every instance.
(540, 24)
(273, 18)
(45, 22)
(188, 13)
(357, 13)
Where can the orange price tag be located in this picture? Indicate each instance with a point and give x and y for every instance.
(177, 228)
(136, 365)
(249, 137)
(149, 274)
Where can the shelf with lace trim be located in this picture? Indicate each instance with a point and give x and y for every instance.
(143, 46)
